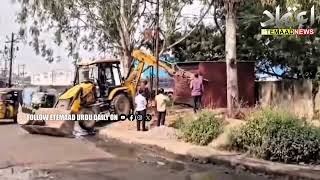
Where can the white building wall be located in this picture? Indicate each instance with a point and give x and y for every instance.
(53, 78)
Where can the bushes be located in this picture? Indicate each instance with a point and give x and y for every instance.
(276, 135)
(202, 130)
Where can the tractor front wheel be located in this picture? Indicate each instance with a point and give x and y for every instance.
(122, 104)
(87, 125)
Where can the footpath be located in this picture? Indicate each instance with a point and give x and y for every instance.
(164, 137)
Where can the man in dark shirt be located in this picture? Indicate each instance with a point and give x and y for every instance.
(146, 90)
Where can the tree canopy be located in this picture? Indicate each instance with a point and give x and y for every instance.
(116, 25)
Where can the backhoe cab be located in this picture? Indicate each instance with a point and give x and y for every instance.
(105, 75)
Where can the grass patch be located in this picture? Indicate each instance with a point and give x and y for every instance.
(277, 135)
(201, 130)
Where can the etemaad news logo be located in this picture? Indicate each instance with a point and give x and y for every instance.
(284, 25)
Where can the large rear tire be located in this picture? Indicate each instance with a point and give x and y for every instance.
(87, 125)
(122, 104)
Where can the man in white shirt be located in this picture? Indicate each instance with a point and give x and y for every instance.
(141, 110)
(161, 103)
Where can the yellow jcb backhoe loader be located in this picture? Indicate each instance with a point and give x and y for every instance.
(98, 89)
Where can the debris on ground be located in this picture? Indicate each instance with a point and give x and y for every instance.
(126, 125)
(78, 132)
(162, 132)
(23, 174)
(160, 163)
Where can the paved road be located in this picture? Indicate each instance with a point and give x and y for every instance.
(95, 159)
(18, 147)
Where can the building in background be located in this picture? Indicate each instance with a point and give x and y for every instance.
(57, 77)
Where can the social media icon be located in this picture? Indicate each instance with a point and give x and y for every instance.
(139, 117)
(132, 117)
(123, 117)
(149, 117)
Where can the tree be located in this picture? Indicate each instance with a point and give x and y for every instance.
(231, 55)
(101, 25)
(205, 43)
(173, 25)
(92, 25)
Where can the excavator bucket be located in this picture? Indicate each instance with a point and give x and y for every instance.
(63, 128)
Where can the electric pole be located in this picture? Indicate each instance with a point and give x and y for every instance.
(11, 58)
(5, 67)
(19, 79)
(12, 41)
(157, 43)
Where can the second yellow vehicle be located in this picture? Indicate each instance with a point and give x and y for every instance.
(10, 99)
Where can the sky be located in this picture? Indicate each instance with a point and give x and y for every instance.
(26, 55)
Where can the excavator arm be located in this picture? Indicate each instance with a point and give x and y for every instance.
(143, 59)
(151, 61)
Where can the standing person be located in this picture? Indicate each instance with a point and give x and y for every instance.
(161, 104)
(197, 91)
(141, 109)
(146, 90)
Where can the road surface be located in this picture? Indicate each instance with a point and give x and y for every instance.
(36, 157)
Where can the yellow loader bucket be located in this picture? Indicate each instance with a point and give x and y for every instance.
(47, 127)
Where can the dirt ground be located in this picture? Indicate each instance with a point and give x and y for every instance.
(172, 115)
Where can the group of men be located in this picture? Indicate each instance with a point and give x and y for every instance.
(142, 100)
(161, 100)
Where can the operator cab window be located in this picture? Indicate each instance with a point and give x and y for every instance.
(93, 74)
(109, 76)
(116, 74)
(112, 75)
(88, 74)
